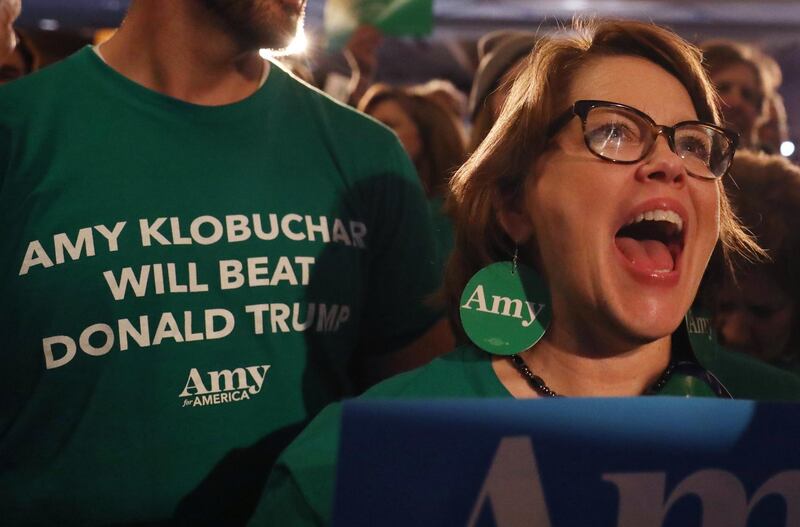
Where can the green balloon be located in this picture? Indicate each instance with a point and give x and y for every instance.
(505, 310)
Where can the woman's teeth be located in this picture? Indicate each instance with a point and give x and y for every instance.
(659, 215)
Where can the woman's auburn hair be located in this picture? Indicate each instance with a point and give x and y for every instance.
(496, 171)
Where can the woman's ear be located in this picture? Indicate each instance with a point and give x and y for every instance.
(515, 221)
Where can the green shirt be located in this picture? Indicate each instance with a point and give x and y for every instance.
(183, 285)
(300, 489)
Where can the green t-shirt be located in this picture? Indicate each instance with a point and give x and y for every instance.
(183, 285)
(299, 492)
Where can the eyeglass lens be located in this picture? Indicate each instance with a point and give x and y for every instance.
(621, 135)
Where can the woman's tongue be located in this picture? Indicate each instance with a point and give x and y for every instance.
(646, 255)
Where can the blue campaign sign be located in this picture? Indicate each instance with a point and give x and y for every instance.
(638, 462)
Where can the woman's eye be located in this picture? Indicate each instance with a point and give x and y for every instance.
(695, 147)
(616, 132)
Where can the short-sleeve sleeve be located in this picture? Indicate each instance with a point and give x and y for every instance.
(299, 492)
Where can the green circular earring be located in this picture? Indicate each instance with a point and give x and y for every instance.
(505, 308)
(702, 338)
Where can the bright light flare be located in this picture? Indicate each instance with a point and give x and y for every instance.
(49, 24)
(297, 46)
(787, 148)
(576, 5)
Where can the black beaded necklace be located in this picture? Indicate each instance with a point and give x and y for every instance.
(539, 386)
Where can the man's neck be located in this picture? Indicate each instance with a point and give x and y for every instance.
(179, 49)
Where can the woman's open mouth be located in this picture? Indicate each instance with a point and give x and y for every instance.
(651, 244)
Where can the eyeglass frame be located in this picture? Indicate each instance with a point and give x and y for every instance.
(581, 109)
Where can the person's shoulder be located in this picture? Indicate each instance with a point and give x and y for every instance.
(48, 79)
(749, 378)
(421, 382)
(52, 88)
(446, 376)
(347, 120)
(463, 372)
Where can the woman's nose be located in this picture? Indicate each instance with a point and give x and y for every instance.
(662, 164)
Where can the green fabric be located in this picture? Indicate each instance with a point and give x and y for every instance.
(154, 400)
(748, 378)
(790, 364)
(442, 230)
(705, 341)
(304, 475)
